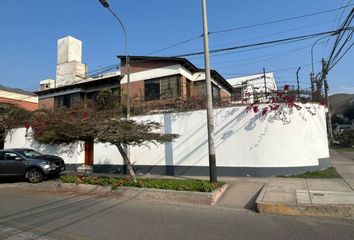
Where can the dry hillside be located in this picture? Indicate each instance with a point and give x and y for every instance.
(340, 102)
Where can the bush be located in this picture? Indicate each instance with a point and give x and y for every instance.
(167, 184)
(346, 139)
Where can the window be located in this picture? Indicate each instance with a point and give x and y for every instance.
(152, 89)
(200, 89)
(92, 96)
(30, 153)
(215, 91)
(188, 88)
(67, 100)
(2, 156)
(2, 138)
(11, 156)
(237, 94)
(162, 88)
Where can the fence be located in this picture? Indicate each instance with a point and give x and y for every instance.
(179, 104)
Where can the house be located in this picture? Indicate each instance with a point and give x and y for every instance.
(245, 140)
(72, 83)
(153, 80)
(256, 85)
(160, 79)
(24, 99)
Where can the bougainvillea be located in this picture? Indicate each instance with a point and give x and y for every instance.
(277, 103)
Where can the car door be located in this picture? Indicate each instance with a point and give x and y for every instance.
(14, 164)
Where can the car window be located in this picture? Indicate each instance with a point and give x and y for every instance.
(30, 153)
(2, 156)
(11, 156)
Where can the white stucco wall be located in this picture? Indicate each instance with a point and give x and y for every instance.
(243, 139)
(72, 153)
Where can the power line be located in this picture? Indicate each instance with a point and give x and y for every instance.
(279, 20)
(272, 70)
(291, 39)
(278, 33)
(265, 57)
(247, 26)
(175, 45)
(346, 51)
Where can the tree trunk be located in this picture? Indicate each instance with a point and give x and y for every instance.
(126, 161)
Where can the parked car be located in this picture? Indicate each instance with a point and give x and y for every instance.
(28, 163)
(341, 128)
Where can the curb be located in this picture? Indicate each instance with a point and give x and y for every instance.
(335, 211)
(204, 198)
(342, 211)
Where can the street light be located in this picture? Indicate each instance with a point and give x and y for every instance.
(324, 78)
(313, 45)
(312, 74)
(127, 64)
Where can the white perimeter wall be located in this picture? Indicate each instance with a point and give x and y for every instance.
(243, 139)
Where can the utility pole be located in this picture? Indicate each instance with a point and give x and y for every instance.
(312, 86)
(324, 79)
(298, 83)
(265, 82)
(210, 120)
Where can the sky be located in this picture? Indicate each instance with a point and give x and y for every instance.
(30, 30)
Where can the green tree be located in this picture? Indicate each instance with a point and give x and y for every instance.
(349, 113)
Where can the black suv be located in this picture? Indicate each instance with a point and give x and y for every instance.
(28, 163)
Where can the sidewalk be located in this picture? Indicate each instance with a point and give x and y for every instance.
(315, 197)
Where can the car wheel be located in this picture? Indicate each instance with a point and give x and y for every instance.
(34, 176)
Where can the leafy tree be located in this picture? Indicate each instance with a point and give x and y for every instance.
(11, 116)
(337, 120)
(106, 126)
(106, 99)
(349, 113)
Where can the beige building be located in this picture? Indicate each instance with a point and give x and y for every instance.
(25, 99)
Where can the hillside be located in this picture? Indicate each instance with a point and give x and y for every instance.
(340, 102)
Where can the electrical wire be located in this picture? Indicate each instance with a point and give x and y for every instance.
(279, 20)
(291, 39)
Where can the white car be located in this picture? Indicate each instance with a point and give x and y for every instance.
(341, 128)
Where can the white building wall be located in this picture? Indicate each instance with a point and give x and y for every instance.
(243, 139)
(256, 81)
(73, 153)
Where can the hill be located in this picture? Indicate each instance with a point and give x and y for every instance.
(340, 102)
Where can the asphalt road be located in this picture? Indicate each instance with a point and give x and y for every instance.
(33, 215)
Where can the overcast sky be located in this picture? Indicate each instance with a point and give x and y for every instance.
(31, 28)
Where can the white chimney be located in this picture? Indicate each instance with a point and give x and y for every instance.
(69, 67)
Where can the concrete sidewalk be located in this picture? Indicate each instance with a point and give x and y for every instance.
(315, 197)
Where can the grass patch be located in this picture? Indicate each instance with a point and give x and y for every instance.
(328, 173)
(168, 184)
(343, 149)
